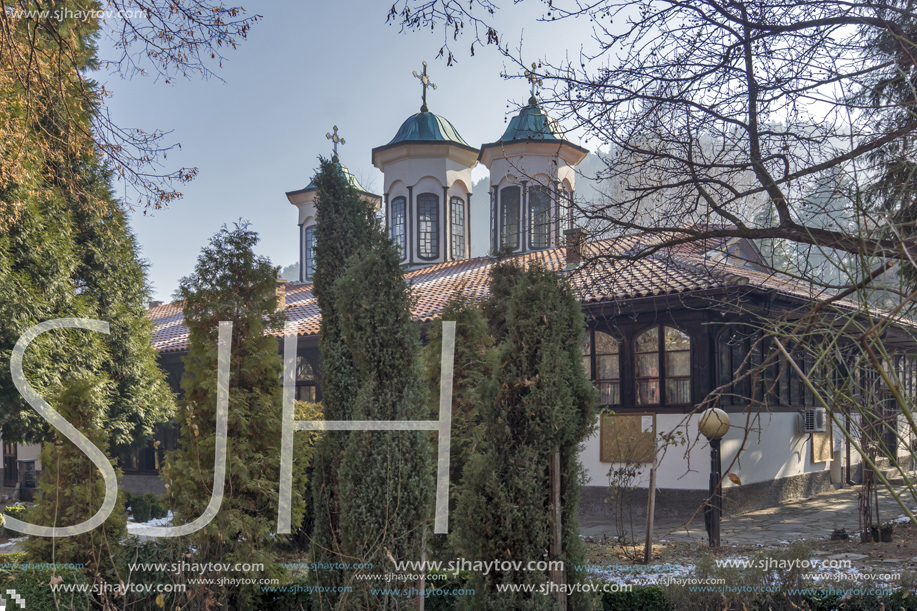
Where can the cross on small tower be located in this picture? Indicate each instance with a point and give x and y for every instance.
(535, 81)
(426, 81)
(335, 138)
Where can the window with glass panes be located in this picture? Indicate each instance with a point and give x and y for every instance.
(509, 217)
(428, 225)
(608, 368)
(738, 360)
(457, 206)
(305, 380)
(309, 245)
(605, 351)
(540, 218)
(398, 223)
(662, 358)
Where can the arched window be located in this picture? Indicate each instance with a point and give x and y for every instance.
(428, 226)
(540, 218)
(663, 367)
(309, 247)
(457, 213)
(509, 217)
(305, 380)
(398, 224)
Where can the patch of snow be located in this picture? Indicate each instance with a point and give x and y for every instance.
(13, 541)
(133, 527)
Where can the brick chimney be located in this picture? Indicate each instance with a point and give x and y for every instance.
(576, 241)
(281, 291)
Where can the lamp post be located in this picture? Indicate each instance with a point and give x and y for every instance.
(714, 423)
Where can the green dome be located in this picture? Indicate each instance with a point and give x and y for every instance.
(343, 171)
(532, 124)
(427, 127)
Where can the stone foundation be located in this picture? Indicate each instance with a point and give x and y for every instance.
(681, 504)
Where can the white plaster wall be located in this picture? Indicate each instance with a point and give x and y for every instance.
(30, 451)
(540, 169)
(305, 203)
(773, 449)
(410, 170)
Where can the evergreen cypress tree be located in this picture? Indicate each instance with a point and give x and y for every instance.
(71, 489)
(539, 399)
(344, 226)
(68, 252)
(231, 283)
(386, 477)
(475, 358)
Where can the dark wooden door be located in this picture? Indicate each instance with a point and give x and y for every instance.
(10, 466)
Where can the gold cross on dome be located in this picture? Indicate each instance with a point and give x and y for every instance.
(533, 79)
(335, 138)
(426, 82)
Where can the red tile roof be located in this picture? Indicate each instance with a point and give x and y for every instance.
(601, 279)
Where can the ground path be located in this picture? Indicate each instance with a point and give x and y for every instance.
(814, 517)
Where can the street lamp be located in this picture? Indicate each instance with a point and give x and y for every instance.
(714, 423)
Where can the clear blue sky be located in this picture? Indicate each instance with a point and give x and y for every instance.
(305, 67)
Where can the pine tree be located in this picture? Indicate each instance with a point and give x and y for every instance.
(231, 283)
(538, 400)
(71, 489)
(344, 226)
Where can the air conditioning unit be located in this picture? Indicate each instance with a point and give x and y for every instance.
(814, 420)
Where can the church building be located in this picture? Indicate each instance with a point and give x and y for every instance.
(663, 332)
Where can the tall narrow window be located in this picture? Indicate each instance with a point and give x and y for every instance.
(562, 210)
(663, 367)
(646, 352)
(509, 217)
(734, 366)
(305, 380)
(458, 227)
(608, 368)
(677, 367)
(587, 354)
(398, 224)
(309, 246)
(791, 389)
(540, 218)
(428, 226)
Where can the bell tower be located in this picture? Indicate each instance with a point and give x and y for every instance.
(532, 180)
(304, 200)
(427, 193)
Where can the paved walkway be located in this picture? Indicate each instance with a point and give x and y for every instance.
(808, 518)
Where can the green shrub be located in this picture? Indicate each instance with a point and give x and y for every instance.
(291, 600)
(160, 556)
(641, 598)
(14, 511)
(33, 586)
(438, 602)
(146, 507)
